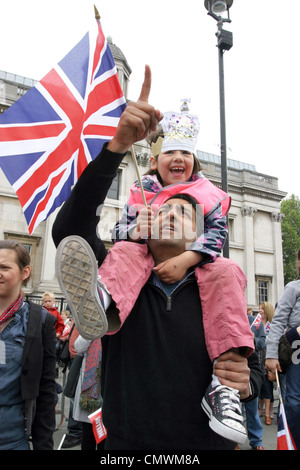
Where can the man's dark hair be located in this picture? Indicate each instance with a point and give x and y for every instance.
(197, 208)
(185, 197)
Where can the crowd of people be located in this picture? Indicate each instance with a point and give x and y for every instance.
(157, 326)
(270, 327)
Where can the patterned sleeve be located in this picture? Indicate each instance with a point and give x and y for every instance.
(215, 232)
(125, 224)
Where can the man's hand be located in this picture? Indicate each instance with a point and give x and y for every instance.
(232, 370)
(272, 365)
(137, 121)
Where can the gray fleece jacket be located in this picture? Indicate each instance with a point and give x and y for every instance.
(287, 317)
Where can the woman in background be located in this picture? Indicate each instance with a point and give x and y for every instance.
(27, 358)
(266, 310)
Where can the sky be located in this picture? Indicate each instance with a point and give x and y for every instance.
(177, 39)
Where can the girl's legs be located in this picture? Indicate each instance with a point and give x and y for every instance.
(222, 292)
(222, 287)
(124, 272)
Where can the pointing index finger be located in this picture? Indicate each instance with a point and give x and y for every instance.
(146, 87)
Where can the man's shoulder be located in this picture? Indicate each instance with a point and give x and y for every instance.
(221, 261)
(221, 264)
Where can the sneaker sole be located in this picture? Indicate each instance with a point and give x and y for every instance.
(222, 429)
(77, 270)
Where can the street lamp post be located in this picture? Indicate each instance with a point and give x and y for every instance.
(215, 9)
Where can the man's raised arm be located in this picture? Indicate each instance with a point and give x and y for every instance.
(137, 121)
(79, 214)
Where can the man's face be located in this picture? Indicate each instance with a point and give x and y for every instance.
(174, 225)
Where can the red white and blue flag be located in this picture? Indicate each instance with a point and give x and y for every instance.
(256, 322)
(284, 437)
(49, 136)
(267, 327)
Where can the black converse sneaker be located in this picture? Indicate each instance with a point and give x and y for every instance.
(222, 405)
(77, 274)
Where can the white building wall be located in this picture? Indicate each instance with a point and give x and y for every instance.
(254, 217)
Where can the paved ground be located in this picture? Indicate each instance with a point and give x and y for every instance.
(269, 432)
(269, 437)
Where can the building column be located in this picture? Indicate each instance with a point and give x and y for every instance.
(278, 255)
(249, 259)
(48, 280)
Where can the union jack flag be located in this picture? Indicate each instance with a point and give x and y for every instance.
(49, 136)
(267, 327)
(256, 321)
(284, 438)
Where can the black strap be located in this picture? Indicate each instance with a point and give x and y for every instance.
(38, 309)
(72, 329)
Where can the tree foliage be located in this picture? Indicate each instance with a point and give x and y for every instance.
(290, 227)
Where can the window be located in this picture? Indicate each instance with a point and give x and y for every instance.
(263, 291)
(28, 247)
(114, 190)
(231, 230)
(20, 91)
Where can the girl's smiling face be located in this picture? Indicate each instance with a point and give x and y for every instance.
(173, 166)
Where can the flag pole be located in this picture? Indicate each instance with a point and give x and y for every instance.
(138, 175)
(282, 411)
(97, 16)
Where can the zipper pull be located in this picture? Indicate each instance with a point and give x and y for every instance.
(169, 304)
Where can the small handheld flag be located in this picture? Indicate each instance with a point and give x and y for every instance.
(256, 321)
(99, 429)
(267, 327)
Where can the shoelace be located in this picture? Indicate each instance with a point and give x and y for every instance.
(230, 398)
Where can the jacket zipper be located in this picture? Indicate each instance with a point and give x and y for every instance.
(169, 304)
(169, 297)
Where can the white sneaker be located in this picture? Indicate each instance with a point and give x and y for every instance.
(222, 405)
(77, 273)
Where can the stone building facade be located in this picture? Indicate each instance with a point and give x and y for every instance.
(254, 217)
